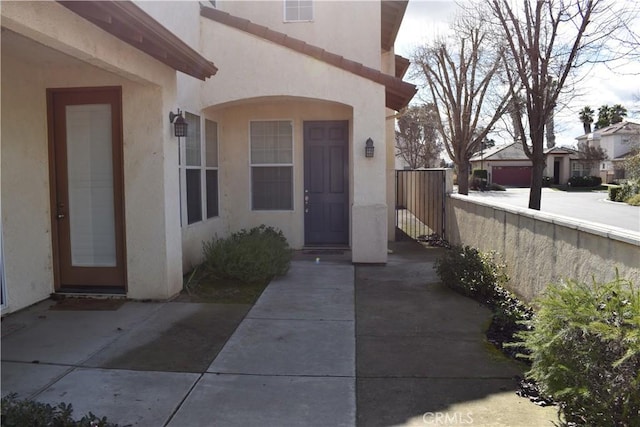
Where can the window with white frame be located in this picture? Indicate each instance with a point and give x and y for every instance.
(271, 165)
(298, 10)
(579, 169)
(199, 171)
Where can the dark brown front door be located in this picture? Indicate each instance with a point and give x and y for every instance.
(85, 127)
(326, 183)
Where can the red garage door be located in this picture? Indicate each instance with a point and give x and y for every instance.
(516, 176)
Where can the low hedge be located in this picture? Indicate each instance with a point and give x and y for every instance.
(585, 181)
(254, 256)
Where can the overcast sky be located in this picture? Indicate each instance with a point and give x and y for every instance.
(425, 19)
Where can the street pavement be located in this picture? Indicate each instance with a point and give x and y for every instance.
(584, 206)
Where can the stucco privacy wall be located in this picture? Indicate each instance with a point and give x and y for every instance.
(540, 248)
(251, 67)
(150, 152)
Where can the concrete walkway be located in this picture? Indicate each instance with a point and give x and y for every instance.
(410, 350)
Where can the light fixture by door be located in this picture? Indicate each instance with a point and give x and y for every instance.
(180, 125)
(368, 148)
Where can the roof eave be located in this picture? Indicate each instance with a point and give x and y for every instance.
(129, 23)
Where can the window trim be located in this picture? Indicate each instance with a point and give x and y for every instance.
(203, 168)
(206, 168)
(264, 165)
(284, 12)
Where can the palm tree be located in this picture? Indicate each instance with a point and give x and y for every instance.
(604, 117)
(586, 117)
(616, 113)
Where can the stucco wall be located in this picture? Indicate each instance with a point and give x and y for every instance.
(539, 248)
(150, 165)
(273, 71)
(335, 26)
(234, 173)
(25, 186)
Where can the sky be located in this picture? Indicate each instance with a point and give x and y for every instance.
(426, 19)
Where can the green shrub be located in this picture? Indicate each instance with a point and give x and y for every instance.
(626, 191)
(496, 187)
(584, 344)
(471, 272)
(257, 255)
(585, 181)
(481, 174)
(634, 200)
(547, 181)
(613, 192)
(20, 413)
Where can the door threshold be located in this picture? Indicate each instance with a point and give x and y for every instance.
(94, 292)
(325, 250)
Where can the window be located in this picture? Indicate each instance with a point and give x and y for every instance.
(199, 171)
(211, 167)
(579, 169)
(271, 165)
(298, 10)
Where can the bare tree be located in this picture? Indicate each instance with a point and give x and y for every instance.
(547, 41)
(591, 155)
(463, 79)
(417, 139)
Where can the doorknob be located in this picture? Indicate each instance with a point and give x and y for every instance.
(60, 210)
(306, 201)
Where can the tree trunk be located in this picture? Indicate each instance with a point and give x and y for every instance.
(535, 195)
(463, 177)
(587, 128)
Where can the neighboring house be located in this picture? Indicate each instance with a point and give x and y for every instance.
(618, 140)
(509, 165)
(98, 195)
(505, 164)
(562, 164)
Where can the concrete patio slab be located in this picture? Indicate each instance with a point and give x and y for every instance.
(289, 347)
(180, 337)
(69, 337)
(309, 275)
(124, 397)
(452, 402)
(26, 379)
(399, 310)
(267, 401)
(435, 356)
(314, 303)
(412, 274)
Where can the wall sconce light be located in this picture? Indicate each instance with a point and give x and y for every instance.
(368, 148)
(180, 125)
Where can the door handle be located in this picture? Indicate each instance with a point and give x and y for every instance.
(60, 208)
(306, 201)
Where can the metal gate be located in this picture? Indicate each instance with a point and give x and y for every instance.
(420, 204)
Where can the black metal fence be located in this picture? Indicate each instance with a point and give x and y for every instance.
(420, 204)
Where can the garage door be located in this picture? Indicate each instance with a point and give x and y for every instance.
(516, 176)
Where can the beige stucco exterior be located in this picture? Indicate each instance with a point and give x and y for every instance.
(45, 45)
(539, 248)
(32, 64)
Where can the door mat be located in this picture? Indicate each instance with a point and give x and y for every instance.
(323, 252)
(88, 304)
